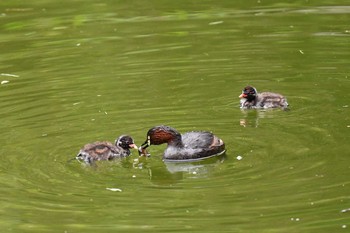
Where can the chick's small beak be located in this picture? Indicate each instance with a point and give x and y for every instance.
(133, 146)
(242, 95)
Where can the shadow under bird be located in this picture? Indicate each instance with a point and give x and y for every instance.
(250, 98)
(106, 150)
(190, 146)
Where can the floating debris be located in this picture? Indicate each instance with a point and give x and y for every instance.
(239, 157)
(345, 210)
(114, 189)
(4, 82)
(19, 9)
(216, 22)
(9, 75)
(60, 28)
(301, 51)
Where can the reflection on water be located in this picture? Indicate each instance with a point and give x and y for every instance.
(197, 169)
(72, 73)
(251, 117)
(170, 172)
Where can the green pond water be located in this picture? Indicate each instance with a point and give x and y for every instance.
(74, 72)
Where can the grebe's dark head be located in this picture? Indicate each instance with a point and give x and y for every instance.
(161, 134)
(248, 93)
(125, 142)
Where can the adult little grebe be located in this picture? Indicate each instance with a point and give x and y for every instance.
(193, 145)
(250, 98)
(106, 150)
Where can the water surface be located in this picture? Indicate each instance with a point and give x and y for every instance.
(79, 71)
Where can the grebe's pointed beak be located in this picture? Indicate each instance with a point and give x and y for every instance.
(142, 149)
(147, 143)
